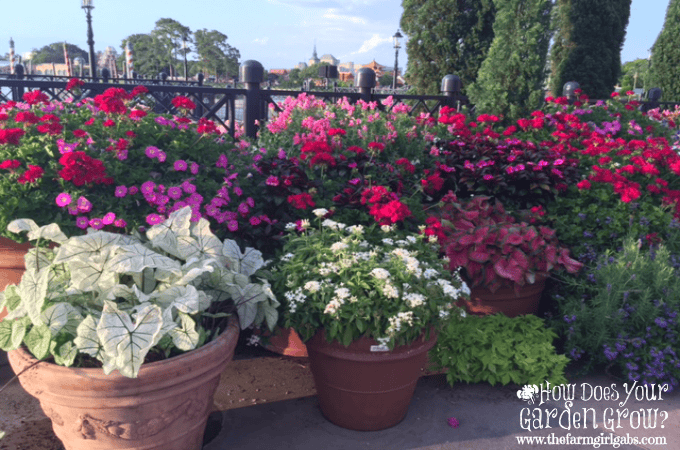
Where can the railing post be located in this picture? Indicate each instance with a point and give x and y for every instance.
(252, 74)
(106, 74)
(569, 91)
(18, 92)
(198, 112)
(365, 81)
(451, 87)
(653, 97)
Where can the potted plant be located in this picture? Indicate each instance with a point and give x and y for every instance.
(367, 301)
(159, 310)
(504, 262)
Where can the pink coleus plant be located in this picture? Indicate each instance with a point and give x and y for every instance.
(494, 249)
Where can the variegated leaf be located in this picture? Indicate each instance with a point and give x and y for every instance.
(185, 337)
(135, 258)
(86, 339)
(87, 246)
(164, 235)
(33, 290)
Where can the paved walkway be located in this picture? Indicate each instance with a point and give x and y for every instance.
(489, 418)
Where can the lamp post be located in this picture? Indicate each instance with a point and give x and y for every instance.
(397, 46)
(78, 61)
(184, 48)
(88, 7)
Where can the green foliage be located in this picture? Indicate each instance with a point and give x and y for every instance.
(499, 349)
(510, 80)
(353, 281)
(666, 54)
(215, 54)
(445, 37)
(54, 53)
(117, 297)
(628, 81)
(587, 46)
(623, 314)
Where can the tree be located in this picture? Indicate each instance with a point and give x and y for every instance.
(446, 37)
(147, 59)
(666, 54)
(588, 41)
(386, 80)
(216, 55)
(54, 53)
(634, 74)
(171, 36)
(510, 80)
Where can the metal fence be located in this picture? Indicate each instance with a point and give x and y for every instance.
(248, 106)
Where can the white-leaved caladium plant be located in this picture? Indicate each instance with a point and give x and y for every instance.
(117, 297)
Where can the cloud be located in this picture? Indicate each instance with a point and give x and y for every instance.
(333, 15)
(261, 41)
(372, 43)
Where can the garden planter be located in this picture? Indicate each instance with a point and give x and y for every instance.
(366, 390)
(285, 341)
(166, 407)
(11, 264)
(505, 300)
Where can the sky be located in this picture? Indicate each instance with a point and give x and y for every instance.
(277, 33)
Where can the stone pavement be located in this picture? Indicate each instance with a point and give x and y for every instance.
(489, 417)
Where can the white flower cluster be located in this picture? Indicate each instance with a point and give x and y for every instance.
(356, 230)
(287, 257)
(380, 273)
(339, 246)
(414, 299)
(333, 225)
(294, 298)
(312, 286)
(412, 264)
(341, 294)
(396, 322)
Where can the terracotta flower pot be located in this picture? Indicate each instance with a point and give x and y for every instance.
(286, 341)
(505, 300)
(11, 264)
(166, 407)
(366, 390)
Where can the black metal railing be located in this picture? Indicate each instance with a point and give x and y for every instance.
(249, 105)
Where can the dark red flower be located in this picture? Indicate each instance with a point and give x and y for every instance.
(26, 117)
(80, 169)
(181, 102)
(301, 201)
(33, 173)
(139, 90)
(74, 83)
(11, 135)
(10, 164)
(35, 97)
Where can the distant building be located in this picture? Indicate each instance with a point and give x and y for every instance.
(330, 59)
(314, 59)
(301, 66)
(379, 69)
(345, 76)
(347, 67)
(59, 69)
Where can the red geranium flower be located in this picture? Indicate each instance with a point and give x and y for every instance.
(35, 97)
(10, 164)
(11, 135)
(33, 173)
(301, 201)
(181, 102)
(74, 83)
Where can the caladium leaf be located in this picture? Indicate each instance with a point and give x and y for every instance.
(93, 274)
(51, 232)
(38, 341)
(244, 263)
(33, 290)
(135, 258)
(12, 333)
(184, 298)
(37, 259)
(185, 337)
(65, 354)
(56, 316)
(19, 225)
(86, 339)
(85, 247)
(145, 280)
(165, 235)
(169, 324)
(204, 244)
(125, 341)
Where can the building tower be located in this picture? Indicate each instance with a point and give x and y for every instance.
(314, 59)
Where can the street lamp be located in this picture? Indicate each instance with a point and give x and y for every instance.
(397, 46)
(184, 47)
(88, 7)
(78, 61)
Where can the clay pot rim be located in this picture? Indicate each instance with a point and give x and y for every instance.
(146, 370)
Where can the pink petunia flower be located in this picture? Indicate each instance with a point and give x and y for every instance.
(453, 422)
(121, 191)
(153, 219)
(63, 199)
(109, 218)
(96, 223)
(194, 168)
(82, 222)
(175, 192)
(180, 165)
(120, 223)
(232, 225)
(84, 205)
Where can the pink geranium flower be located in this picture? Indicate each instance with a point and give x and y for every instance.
(63, 199)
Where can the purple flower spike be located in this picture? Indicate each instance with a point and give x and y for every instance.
(453, 422)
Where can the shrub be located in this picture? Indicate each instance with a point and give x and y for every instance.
(499, 349)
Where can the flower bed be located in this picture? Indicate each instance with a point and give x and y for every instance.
(593, 173)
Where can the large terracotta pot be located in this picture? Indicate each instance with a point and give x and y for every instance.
(11, 264)
(505, 300)
(366, 390)
(165, 408)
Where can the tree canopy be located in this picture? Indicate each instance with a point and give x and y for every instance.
(629, 71)
(54, 53)
(511, 78)
(587, 46)
(666, 55)
(164, 49)
(446, 37)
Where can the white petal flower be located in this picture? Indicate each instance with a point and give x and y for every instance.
(380, 273)
(320, 212)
